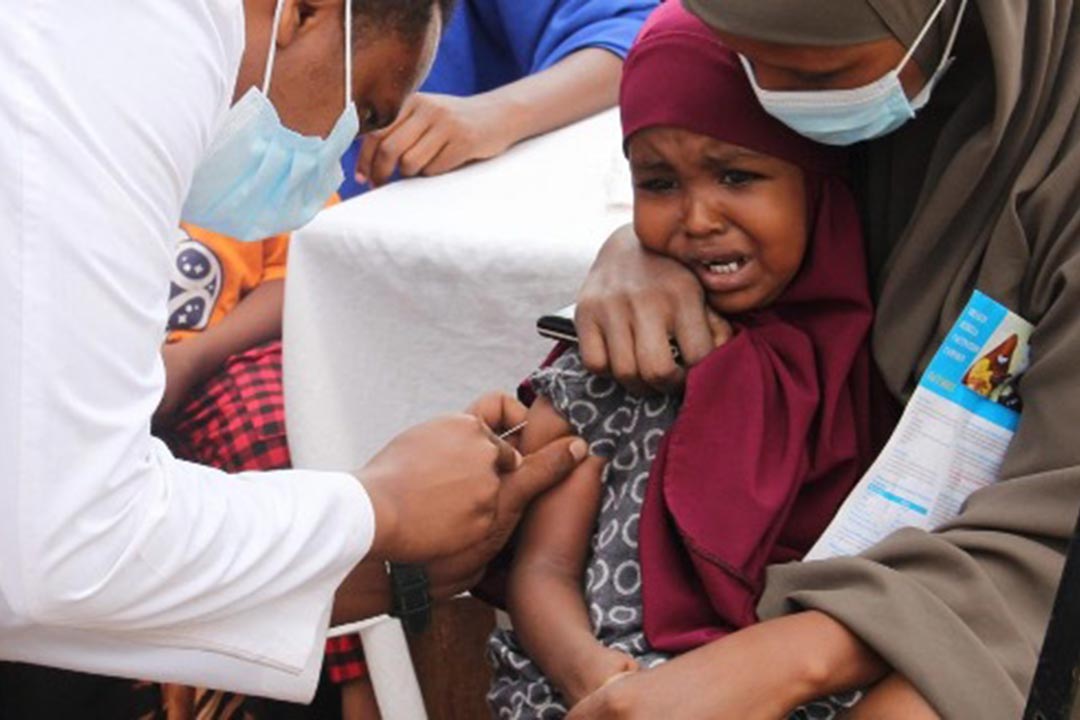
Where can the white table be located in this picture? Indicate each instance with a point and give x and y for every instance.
(415, 299)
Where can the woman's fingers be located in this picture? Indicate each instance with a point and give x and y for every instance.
(655, 359)
(591, 343)
(694, 333)
(622, 353)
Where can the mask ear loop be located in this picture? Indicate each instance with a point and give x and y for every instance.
(272, 53)
(348, 52)
(955, 32)
(926, 28)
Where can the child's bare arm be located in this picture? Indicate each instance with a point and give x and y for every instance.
(544, 424)
(256, 319)
(545, 593)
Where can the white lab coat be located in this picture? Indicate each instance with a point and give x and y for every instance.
(115, 557)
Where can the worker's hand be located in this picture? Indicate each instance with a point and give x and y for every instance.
(454, 574)
(633, 302)
(435, 134)
(182, 372)
(451, 492)
(501, 412)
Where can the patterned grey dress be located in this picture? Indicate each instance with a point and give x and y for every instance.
(626, 430)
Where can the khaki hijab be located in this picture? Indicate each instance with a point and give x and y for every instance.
(981, 190)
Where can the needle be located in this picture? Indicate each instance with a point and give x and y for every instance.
(513, 431)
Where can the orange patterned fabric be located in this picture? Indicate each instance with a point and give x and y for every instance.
(212, 273)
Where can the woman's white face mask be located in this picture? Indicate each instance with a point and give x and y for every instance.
(259, 178)
(845, 117)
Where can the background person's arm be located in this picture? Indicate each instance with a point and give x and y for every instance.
(256, 319)
(435, 133)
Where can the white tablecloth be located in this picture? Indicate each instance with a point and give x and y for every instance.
(413, 300)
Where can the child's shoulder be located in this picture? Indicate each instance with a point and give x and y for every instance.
(566, 381)
(598, 408)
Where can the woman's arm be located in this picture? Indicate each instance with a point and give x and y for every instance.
(759, 673)
(545, 594)
(633, 302)
(435, 134)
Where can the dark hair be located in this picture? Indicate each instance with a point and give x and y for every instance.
(408, 18)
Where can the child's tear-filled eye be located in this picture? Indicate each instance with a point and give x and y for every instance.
(657, 185)
(738, 178)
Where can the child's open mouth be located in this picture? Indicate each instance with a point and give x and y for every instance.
(726, 267)
(724, 274)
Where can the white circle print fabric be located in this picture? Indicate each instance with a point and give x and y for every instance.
(627, 430)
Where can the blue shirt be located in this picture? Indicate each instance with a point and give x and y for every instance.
(491, 43)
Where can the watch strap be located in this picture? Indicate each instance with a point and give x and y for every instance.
(411, 599)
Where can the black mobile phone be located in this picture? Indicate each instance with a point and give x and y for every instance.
(559, 325)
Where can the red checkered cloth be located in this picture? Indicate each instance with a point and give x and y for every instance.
(235, 421)
(345, 659)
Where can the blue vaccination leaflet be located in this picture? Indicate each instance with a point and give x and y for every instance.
(951, 439)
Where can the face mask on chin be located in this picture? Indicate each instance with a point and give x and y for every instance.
(259, 178)
(845, 117)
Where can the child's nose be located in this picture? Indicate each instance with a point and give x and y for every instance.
(703, 218)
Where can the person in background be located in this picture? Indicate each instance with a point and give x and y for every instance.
(505, 71)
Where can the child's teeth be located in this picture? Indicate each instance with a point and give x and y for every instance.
(725, 268)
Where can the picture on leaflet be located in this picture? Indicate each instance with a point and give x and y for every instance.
(992, 375)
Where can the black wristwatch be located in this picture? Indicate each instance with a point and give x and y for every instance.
(411, 601)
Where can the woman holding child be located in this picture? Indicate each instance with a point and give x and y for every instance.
(968, 175)
(753, 459)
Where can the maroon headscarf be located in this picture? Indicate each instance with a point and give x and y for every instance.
(774, 429)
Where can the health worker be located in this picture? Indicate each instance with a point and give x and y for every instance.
(118, 120)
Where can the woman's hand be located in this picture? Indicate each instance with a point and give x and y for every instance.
(894, 698)
(592, 668)
(632, 304)
(761, 672)
(677, 691)
(435, 134)
(686, 688)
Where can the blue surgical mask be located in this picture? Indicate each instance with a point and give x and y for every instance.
(845, 117)
(259, 178)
